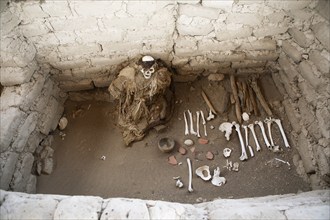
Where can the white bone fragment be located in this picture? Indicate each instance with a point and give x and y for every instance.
(186, 129)
(179, 184)
(63, 123)
(204, 172)
(176, 177)
(229, 165)
(269, 121)
(197, 121)
(283, 161)
(210, 116)
(226, 152)
(217, 180)
(188, 142)
(191, 124)
(244, 154)
(245, 116)
(261, 125)
(247, 140)
(204, 123)
(236, 166)
(278, 122)
(190, 189)
(227, 128)
(212, 127)
(251, 126)
(103, 157)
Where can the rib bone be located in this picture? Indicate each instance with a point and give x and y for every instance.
(251, 126)
(247, 140)
(243, 155)
(261, 125)
(186, 129)
(197, 121)
(190, 189)
(204, 123)
(278, 122)
(191, 124)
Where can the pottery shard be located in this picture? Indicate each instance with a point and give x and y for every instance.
(172, 160)
(209, 155)
(182, 150)
(203, 141)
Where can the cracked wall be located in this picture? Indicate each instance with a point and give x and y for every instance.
(79, 45)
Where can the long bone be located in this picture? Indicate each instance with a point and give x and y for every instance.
(191, 124)
(247, 140)
(190, 189)
(278, 122)
(204, 123)
(197, 121)
(261, 125)
(251, 126)
(244, 154)
(269, 121)
(186, 129)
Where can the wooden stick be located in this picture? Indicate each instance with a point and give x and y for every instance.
(209, 104)
(247, 99)
(253, 101)
(260, 97)
(237, 104)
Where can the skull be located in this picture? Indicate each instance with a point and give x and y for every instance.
(226, 152)
(148, 63)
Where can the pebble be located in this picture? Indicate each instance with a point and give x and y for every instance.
(203, 141)
(63, 123)
(172, 160)
(182, 150)
(188, 142)
(209, 155)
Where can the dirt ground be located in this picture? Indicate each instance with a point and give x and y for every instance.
(142, 170)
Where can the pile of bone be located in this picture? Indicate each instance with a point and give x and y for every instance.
(226, 127)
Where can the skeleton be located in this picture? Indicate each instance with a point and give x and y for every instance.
(191, 124)
(197, 121)
(186, 129)
(269, 121)
(261, 125)
(147, 72)
(244, 154)
(204, 123)
(247, 140)
(211, 116)
(217, 180)
(278, 122)
(226, 152)
(190, 189)
(251, 126)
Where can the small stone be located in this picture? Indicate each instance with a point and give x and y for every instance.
(172, 160)
(245, 116)
(216, 77)
(63, 123)
(188, 142)
(192, 149)
(212, 127)
(182, 150)
(160, 128)
(203, 141)
(209, 155)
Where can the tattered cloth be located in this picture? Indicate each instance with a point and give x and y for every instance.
(142, 101)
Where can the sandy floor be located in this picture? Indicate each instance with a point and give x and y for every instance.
(142, 171)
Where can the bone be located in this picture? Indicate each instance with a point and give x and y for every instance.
(186, 129)
(227, 128)
(191, 124)
(247, 140)
(251, 126)
(226, 152)
(217, 180)
(244, 154)
(197, 122)
(204, 172)
(179, 184)
(235, 166)
(204, 123)
(269, 121)
(261, 125)
(211, 116)
(278, 122)
(190, 189)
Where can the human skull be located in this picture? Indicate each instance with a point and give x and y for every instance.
(148, 68)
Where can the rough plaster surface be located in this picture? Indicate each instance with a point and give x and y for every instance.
(309, 205)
